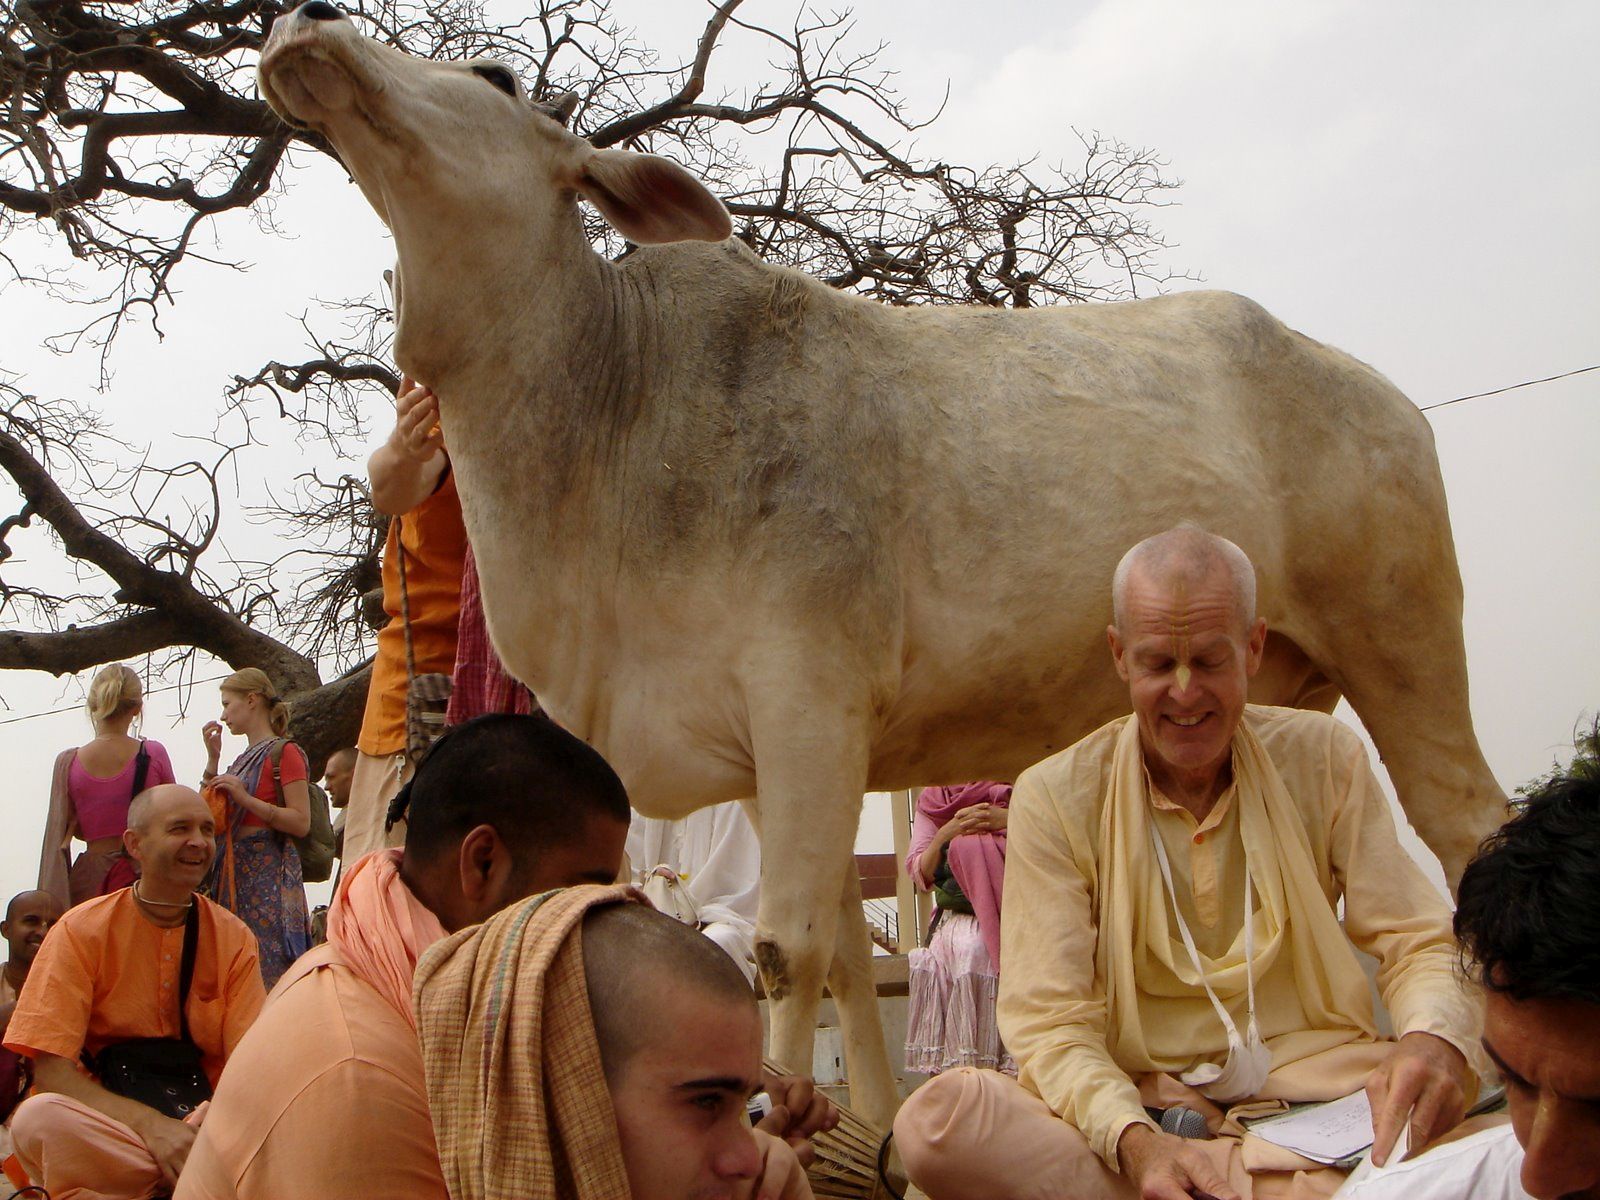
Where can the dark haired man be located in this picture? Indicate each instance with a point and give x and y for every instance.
(1528, 920)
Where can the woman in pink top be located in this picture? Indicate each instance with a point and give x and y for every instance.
(958, 852)
(90, 791)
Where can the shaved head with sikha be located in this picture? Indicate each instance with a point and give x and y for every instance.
(680, 1043)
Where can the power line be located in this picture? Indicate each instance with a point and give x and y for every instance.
(52, 712)
(55, 712)
(1511, 388)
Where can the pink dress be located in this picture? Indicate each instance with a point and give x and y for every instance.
(97, 808)
(955, 978)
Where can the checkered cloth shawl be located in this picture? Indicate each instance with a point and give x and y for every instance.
(481, 683)
(519, 1101)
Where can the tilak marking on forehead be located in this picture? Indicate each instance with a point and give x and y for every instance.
(1180, 633)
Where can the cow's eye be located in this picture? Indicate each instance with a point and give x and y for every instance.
(500, 77)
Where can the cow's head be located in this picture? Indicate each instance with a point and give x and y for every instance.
(440, 146)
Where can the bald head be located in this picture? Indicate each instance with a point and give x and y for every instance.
(32, 901)
(153, 805)
(1186, 558)
(624, 944)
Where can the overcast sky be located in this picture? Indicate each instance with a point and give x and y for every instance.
(1412, 183)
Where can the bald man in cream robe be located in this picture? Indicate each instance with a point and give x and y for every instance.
(1172, 936)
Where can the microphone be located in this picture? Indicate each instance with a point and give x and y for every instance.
(1181, 1121)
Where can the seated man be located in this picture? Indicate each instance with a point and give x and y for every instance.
(501, 808)
(1529, 920)
(110, 972)
(28, 918)
(558, 1064)
(1171, 935)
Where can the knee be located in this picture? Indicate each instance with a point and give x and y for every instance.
(930, 1131)
(37, 1120)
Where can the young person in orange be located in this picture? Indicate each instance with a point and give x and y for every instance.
(110, 972)
(410, 478)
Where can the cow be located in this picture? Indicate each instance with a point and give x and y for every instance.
(757, 539)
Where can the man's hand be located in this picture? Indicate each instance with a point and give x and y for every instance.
(169, 1142)
(781, 1176)
(416, 435)
(799, 1112)
(1164, 1167)
(1426, 1077)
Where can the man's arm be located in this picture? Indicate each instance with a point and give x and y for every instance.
(1051, 1006)
(1394, 914)
(167, 1139)
(406, 469)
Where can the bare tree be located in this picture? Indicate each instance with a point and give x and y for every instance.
(126, 126)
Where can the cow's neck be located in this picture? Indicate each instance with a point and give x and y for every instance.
(544, 375)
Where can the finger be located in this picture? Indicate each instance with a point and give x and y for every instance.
(406, 382)
(802, 1147)
(1427, 1115)
(775, 1122)
(1390, 1116)
(1207, 1180)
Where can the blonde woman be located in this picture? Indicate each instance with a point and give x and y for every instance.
(91, 788)
(260, 803)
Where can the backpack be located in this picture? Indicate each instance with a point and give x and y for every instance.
(316, 848)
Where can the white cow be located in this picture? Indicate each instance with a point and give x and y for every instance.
(753, 537)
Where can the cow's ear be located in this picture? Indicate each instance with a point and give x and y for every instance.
(651, 200)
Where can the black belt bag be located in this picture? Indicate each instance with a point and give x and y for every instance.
(164, 1073)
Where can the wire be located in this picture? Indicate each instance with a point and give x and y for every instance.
(55, 712)
(1511, 388)
(1423, 408)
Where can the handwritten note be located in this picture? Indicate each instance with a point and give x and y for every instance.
(1325, 1133)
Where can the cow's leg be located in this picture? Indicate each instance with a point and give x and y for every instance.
(873, 1092)
(1398, 657)
(810, 757)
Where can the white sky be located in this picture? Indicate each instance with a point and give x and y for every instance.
(1412, 183)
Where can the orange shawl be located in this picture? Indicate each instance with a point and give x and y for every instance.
(380, 928)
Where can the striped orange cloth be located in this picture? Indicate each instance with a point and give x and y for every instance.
(519, 1102)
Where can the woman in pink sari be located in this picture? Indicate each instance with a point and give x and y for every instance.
(958, 852)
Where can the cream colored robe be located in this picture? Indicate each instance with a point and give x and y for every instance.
(1075, 861)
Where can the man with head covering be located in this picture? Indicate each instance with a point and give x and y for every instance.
(110, 972)
(328, 1098)
(1172, 935)
(556, 1072)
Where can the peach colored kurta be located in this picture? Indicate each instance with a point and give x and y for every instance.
(106, 974)
(326, 1096)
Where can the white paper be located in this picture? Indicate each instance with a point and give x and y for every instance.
(1325, 1133)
